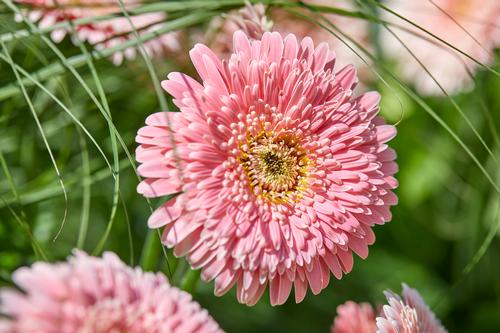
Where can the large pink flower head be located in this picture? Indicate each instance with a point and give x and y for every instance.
(94, 295)
(280, 172)
(407, 314)
(469, 25)
(354, 318)
(107, 33)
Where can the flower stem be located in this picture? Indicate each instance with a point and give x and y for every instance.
(150, 251)
(190, 280)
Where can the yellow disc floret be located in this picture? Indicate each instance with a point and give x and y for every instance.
(276, 166)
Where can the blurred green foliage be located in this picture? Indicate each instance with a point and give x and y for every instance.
(446, 205)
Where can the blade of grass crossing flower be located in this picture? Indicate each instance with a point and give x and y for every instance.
(387, 9)
(459, 25)
(451, 99)
(454, 135)
(328, 26)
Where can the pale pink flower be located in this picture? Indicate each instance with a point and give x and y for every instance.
(354, 318)
(280, 173)
(408, 314)
(469, 25)
(357, 29)
(251, 19)
(107, 33)
(6, 326)
(94, 295)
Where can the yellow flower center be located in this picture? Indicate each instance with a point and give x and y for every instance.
(276, 166)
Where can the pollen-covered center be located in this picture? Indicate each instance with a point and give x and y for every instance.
(276, 166)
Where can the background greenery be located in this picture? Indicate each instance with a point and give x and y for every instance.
(447, 206)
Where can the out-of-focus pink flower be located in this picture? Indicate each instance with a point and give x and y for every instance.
(469, 25)
(94, 295)
(354, 318)
(408, 314)
(251, 19)
(280, 173)
(107, 33)
(6, 326)
(357, 29)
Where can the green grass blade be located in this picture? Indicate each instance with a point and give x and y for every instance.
(387, 9)
(86, 191)
(37, 83)
(37, 249)
(80, 60)
(42, 134)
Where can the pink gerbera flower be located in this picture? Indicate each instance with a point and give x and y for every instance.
(280, 173)
(94, 295)
(408, 314)
(354, 318)
(103, 34)
(469, 25)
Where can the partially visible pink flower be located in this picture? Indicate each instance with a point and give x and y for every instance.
(357, 29)
(469, 25)
(6, 326)
(280, 172)
(94, 295)
(251, 19)
(354, 318)
(107, 33)
(407, 314)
